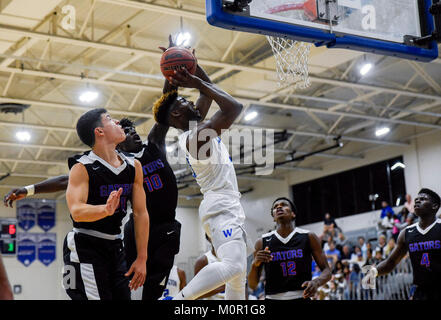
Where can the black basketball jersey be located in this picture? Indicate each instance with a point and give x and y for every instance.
(424, 247)
(159, 184)
(291, 261)
(103, 179)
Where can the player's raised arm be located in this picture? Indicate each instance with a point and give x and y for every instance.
(50, 185)
(204, 102)
(76, 198)
(395, 257)
(230, 108)
(142, 222)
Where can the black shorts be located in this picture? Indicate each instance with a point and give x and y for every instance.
(422, 293)
(164, 240)
(94, 268)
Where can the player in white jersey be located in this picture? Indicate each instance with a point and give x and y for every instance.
(205, 259)
(176, 281)
(220, 212)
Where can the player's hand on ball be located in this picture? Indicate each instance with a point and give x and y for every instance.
(183, 78)
(170, 43)
(113, 201)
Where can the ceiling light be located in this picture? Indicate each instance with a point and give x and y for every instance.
(365, 68)
(23, 136)
(183, 39)
(398, 165)
(382, 131)
(250, 116)
(88, 96)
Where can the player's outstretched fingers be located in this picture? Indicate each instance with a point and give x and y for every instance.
(113, 201)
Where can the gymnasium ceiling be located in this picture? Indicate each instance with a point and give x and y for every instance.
(113, 50)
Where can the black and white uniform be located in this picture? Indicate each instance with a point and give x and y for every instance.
(424, 247)
(173, 284)
(165, 231)
(290, 266)
(95, 249)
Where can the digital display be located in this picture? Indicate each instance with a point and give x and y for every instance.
(8, 246)
(9, 229)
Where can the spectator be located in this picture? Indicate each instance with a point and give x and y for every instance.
(389, 247)
(404, 215)
(330, 238)
(378, 256)
(386, 225)
(317, 272)
(409, 203)
(381, 245)
(369, 258)
(332, 254)
(363, 246)
(341, 241)
(329, 224)
(333, 292)
(341, 285)
(346, 253)
(369, 246)
(397, 226)
(338, 268)
(357, 251)
(357, 258)
(386, 209)
(354, 281)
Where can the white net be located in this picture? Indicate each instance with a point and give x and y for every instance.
(291, 61)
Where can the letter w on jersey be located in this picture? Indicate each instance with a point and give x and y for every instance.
(228, 232)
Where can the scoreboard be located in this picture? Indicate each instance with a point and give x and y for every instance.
(8, 235)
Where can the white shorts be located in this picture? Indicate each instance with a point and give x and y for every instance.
(223, 218)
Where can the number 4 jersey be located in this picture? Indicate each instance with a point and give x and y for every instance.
(290, 266)
(424, 248)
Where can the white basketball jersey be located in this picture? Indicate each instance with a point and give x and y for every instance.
(212, 258)
(173, 283)
(215, 174)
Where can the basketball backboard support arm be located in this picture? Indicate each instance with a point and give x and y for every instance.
(332, 29)
(435, 10)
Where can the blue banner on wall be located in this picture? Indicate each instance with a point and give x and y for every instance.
(47, 244)
(46, 214)
(26, 247)
(26, 213)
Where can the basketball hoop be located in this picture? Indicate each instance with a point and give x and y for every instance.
(291, 56)
(291, 61)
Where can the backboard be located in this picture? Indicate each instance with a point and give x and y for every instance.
(378, 26)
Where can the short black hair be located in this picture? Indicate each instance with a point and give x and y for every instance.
(432, 194)
(126, 123)
(162, 106)
(87, 123)
(292, 205)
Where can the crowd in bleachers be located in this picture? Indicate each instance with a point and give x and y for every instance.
(347, 257)
(347, 254)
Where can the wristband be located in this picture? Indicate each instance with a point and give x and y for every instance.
(30, 189)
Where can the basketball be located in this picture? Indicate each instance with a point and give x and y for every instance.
(176, 58)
